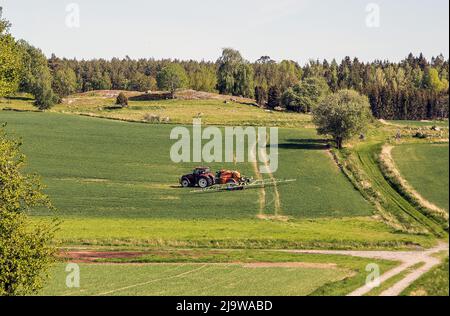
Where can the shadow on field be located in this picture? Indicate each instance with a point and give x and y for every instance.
(306, 144)
(18, 98)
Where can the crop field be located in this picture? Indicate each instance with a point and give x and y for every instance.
(113, 183)
(116, 169)
(425, 167)
(251, 273)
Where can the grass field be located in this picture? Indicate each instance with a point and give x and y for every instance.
(101, 168)
(345, 233)
(194, 280)
(113, 184)
(433, 283)
(421, 123)
(219, 273)
(425, 167)
(212, 111)
(116, 189)
(79, 159)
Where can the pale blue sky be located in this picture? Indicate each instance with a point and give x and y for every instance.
(198, 29)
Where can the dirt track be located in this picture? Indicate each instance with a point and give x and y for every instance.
(408, 259)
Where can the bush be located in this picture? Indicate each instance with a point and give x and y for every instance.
(122, 100)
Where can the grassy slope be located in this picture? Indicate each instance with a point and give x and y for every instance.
(229, 277)
(213, 112)
(433, 283)
(395, 203)
(425, 167)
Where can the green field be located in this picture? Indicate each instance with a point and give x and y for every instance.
(193, 280)
(213, 273)
(425, 167)
(101, 168)
(114, 184)
(421, 123)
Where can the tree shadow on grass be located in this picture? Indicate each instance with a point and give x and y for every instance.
(306, 144)
(18, 98)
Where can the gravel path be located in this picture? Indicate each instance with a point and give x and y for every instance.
(407, 258)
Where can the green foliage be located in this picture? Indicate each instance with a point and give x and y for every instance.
(412, 89)
(432, 81)
(235, 75)
(142, 83)
(260, 95)
(172, 77)
(203, 78)
(290, 74)
(26, 250)
(274, 97)
(64, 82)
(306, 95)
(342, 115)
(36, 77)
(10, 60)
(122, 100)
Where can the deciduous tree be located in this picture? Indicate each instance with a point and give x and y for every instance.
(342, 115)
(26, 248)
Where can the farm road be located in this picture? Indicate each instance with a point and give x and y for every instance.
(408, 259)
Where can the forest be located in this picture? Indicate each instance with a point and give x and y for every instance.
(412, 89)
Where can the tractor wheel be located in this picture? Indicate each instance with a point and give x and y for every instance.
(185, 183)
(210, 181)
(203, 183)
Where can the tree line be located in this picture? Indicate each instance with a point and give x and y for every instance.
(414, 88)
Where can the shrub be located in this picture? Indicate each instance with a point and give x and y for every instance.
(122, 100)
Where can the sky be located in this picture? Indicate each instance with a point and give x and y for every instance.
(298, 30)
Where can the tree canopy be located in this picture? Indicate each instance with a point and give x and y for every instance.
(172, 77)
(342, 115)
(10, 60)
(26, 249)
(37, 78)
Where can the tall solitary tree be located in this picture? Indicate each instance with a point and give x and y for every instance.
(342, 115)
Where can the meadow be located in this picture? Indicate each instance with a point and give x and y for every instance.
(425, 167)
(214, 110)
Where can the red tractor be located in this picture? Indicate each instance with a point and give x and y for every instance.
(201, 176)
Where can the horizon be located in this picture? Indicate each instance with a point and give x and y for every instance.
(372, 31)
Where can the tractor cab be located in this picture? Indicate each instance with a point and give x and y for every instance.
(201, 176)
(201, 170)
